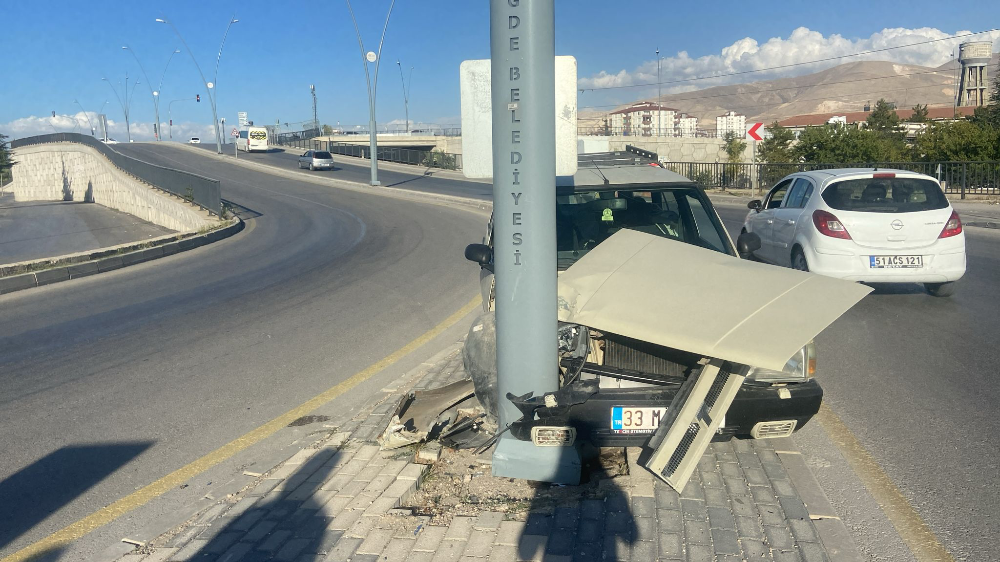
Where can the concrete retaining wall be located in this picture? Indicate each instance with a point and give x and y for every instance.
(75, 172)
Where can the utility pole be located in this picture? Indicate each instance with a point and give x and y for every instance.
(312, 89)
(659, 104)
(522, 49)
(406, 94)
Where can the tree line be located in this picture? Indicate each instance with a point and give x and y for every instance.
(883, 138)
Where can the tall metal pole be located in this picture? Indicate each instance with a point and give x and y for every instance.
(312, 90)
(659, 104)
(120, 103)
(522, 48)
(208, 85)
(85, 114)
(375, 57)
(406, 95)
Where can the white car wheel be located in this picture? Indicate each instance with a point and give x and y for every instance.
(311, 167)
(940, 289)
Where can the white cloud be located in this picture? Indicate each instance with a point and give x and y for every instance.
(802, 46)
(78, 123)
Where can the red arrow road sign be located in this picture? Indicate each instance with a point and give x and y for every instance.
(752, 131)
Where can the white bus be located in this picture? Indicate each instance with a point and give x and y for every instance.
(252, 138)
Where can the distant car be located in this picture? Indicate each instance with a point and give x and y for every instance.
(194, 140)
(876, 226)
(316, 160)
(110, 140)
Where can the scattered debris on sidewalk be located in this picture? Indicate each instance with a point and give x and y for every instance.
(451, 414)
(461, 484)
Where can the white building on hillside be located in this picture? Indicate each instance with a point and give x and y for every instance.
(731, 122)
(686, 126)
(643, 119)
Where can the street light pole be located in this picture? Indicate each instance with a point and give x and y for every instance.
(208, 85)
(659, 104)
(87, 115)
(120, 103)
(406, 94)
(369, 57)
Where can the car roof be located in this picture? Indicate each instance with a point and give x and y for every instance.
(588, 178)
(828, 175)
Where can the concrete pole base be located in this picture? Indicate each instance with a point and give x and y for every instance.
(522, 459)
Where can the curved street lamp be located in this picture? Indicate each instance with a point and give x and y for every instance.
(93, 132)
(208, 85)
(369, 57)
(406, 94)
(124, 105)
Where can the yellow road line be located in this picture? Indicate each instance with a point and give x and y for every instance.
(917, 535)
(140, 497)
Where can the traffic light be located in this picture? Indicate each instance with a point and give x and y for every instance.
(197, 97)
(171, 122)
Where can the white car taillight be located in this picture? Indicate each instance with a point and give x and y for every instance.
(830, 225)
(953, 227)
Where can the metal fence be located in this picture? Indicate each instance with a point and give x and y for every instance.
(959, 178)
(202, 191)
(428, 158)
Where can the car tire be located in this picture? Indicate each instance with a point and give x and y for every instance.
(311, 168)
(799, 260)
(940, 289)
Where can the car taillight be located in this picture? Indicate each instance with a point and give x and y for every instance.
(953, 227)
(829, 225)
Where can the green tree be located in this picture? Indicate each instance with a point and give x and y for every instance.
(327, 130)
(883, 119)
(6, 160)
(958, 141)
(919, 114)
(777, 146)
(734, 146)
(848, 144)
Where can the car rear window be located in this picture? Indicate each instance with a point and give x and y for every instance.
(885, 195)
(323, 155)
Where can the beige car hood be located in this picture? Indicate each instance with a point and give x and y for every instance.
(685, 297)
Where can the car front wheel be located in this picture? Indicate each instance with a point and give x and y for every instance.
(799, 260)
(941, 289)
(311, 168)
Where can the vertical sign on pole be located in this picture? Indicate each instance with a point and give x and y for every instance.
(522, 47)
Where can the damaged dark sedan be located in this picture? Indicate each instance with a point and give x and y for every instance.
(629, 383)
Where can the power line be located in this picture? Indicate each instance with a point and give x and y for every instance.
(701, 97)
(790, 65)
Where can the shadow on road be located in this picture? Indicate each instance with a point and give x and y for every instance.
(287, 522)
(40, 489)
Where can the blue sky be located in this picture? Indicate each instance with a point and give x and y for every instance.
(56, 52)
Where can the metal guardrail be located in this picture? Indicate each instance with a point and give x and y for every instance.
(202, 191)
(428, 158)
(957, 178)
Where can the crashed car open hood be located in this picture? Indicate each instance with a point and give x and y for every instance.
(685, 297)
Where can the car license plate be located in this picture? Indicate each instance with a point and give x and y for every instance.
(635, 420)
(892, 262)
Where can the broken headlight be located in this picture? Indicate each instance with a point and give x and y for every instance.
(573, 340)
(800, 368)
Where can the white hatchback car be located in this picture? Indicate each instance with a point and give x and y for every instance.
(876, 226)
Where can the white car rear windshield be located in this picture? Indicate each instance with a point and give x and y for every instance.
(885, 195)
(322, 155)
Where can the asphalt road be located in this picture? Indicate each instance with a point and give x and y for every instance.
(33, 230)
(912, 376)
(357, 170)
(112, 381)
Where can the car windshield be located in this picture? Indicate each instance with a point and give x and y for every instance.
(885, 195)
(322, 155)
(584, 219)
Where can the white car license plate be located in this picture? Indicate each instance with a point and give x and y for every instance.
(891, 262)
(635, 420)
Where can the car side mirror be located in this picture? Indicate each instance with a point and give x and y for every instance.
(479, 253)
(755, 205)
(747, 243)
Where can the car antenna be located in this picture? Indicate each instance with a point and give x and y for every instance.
(606, 182)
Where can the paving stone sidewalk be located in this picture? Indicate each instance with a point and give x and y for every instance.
(337, 500)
